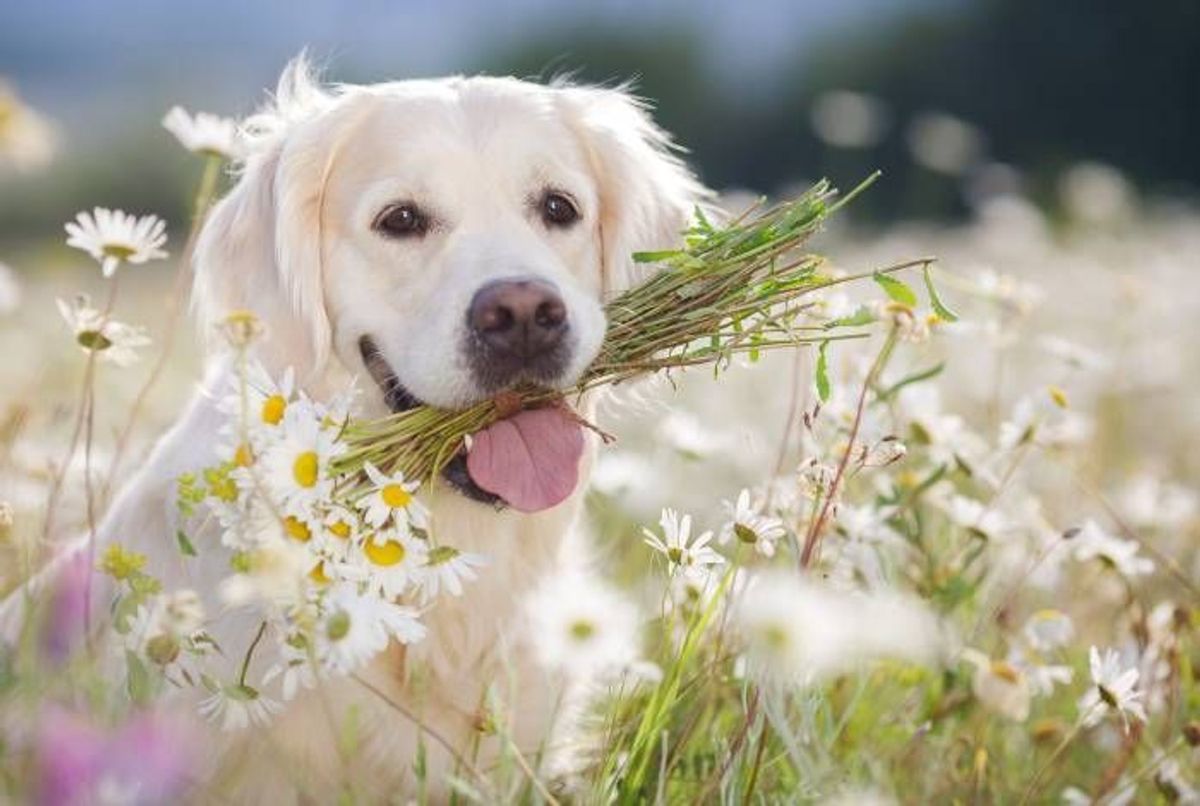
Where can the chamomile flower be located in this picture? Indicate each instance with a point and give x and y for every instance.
(256, 405)
(445, 569)
(1092, 542)
(1113, 688)
(1048, 629)
(582, 626)
(296, 468)
(357, 627)
(204, 133)
(749, 526)
(339, 532)
(677, 545)
(114, 237)
(111, 341)
(236, 706)
(1000, 686)
(294, 669)
(391, 497)
(392, 560)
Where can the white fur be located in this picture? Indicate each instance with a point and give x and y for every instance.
(293, 242)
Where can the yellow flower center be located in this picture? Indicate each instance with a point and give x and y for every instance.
(340, 529)
(273, 408)
(305, 468)
(390, 553)
(1006, 672)
(119, 250)
(317, 574)
(297, 529)
(395, 496)
(242, 457)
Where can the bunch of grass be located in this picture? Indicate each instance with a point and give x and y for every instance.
(732, 289)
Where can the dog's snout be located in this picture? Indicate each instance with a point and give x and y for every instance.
(524, 318)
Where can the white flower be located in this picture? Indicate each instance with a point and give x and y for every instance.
(357, 627)
(1092, 542)
(275, 573)
(391, 497)
(393, 560)
(27, 140)
(582, 626)
(296, 468)
(111, 341)
(237, 706)
(114, 237)
(747, 525)
(204, 133)
(676, 544)
(999, 685)
(1042, 677)
(797, 631)
(1048, 629)
(1150, 502)
(255, 404)
(1113, 688)
(976, 516)
(294, 667)
(445, 568)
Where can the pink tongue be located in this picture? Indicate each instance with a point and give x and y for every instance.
(531, 459)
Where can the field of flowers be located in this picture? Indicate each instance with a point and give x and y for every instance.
(956, 561)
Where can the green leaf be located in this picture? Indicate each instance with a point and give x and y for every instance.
(898, 290)
(916, 377)
(185, 546)
(655, 257)
(822, 373)
(862, 316)
(941, 310)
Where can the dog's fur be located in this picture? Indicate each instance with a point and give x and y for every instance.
(293, 242)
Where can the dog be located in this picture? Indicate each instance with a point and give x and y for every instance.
(444, 239)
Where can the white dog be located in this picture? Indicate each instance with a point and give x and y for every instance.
(444, 239)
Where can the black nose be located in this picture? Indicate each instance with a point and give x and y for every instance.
(521, 319)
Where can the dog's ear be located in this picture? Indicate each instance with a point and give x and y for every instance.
(260, 248)
(647, 194)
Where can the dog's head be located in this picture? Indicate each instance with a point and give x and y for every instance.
(448, 238)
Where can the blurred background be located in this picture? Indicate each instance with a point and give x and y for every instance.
(950, 98)
(1045, 151)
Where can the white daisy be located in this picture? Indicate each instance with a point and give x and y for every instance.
(1113, 688)
(391, 497)
(111, 341)
(445, 568)
(582, 626)
(749, 526)
(677, 545)
(204, 133)
(339, 533)
(295, 669)
(1000, 686)
(1048, 629)
(392, 560)
(238, 706)
(256, 404)
(357, 627)
(114, 237)
(296, 468)
(1092, 542)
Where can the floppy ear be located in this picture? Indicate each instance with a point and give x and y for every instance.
(647, 194)
(260, 249)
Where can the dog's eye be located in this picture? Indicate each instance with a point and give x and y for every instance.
(558, 210)
(402, 221)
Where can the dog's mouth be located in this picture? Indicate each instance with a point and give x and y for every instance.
(528, 460)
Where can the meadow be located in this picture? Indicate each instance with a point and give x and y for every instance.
(954, 561)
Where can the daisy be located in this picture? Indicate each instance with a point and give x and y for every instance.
(294, 668)
(1092, 542)
(238, 706)
(109, 340)
(296, 468)
(582, 626)
(1112, 688)
(676, 544)
(392, 497)
(114, 236)
(204, 133)
(1000, 686)
(392, 560)
(358, 627)
(339, 533)
(1048, 629)
(257, 403)
(748, 526)
(445, 568)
